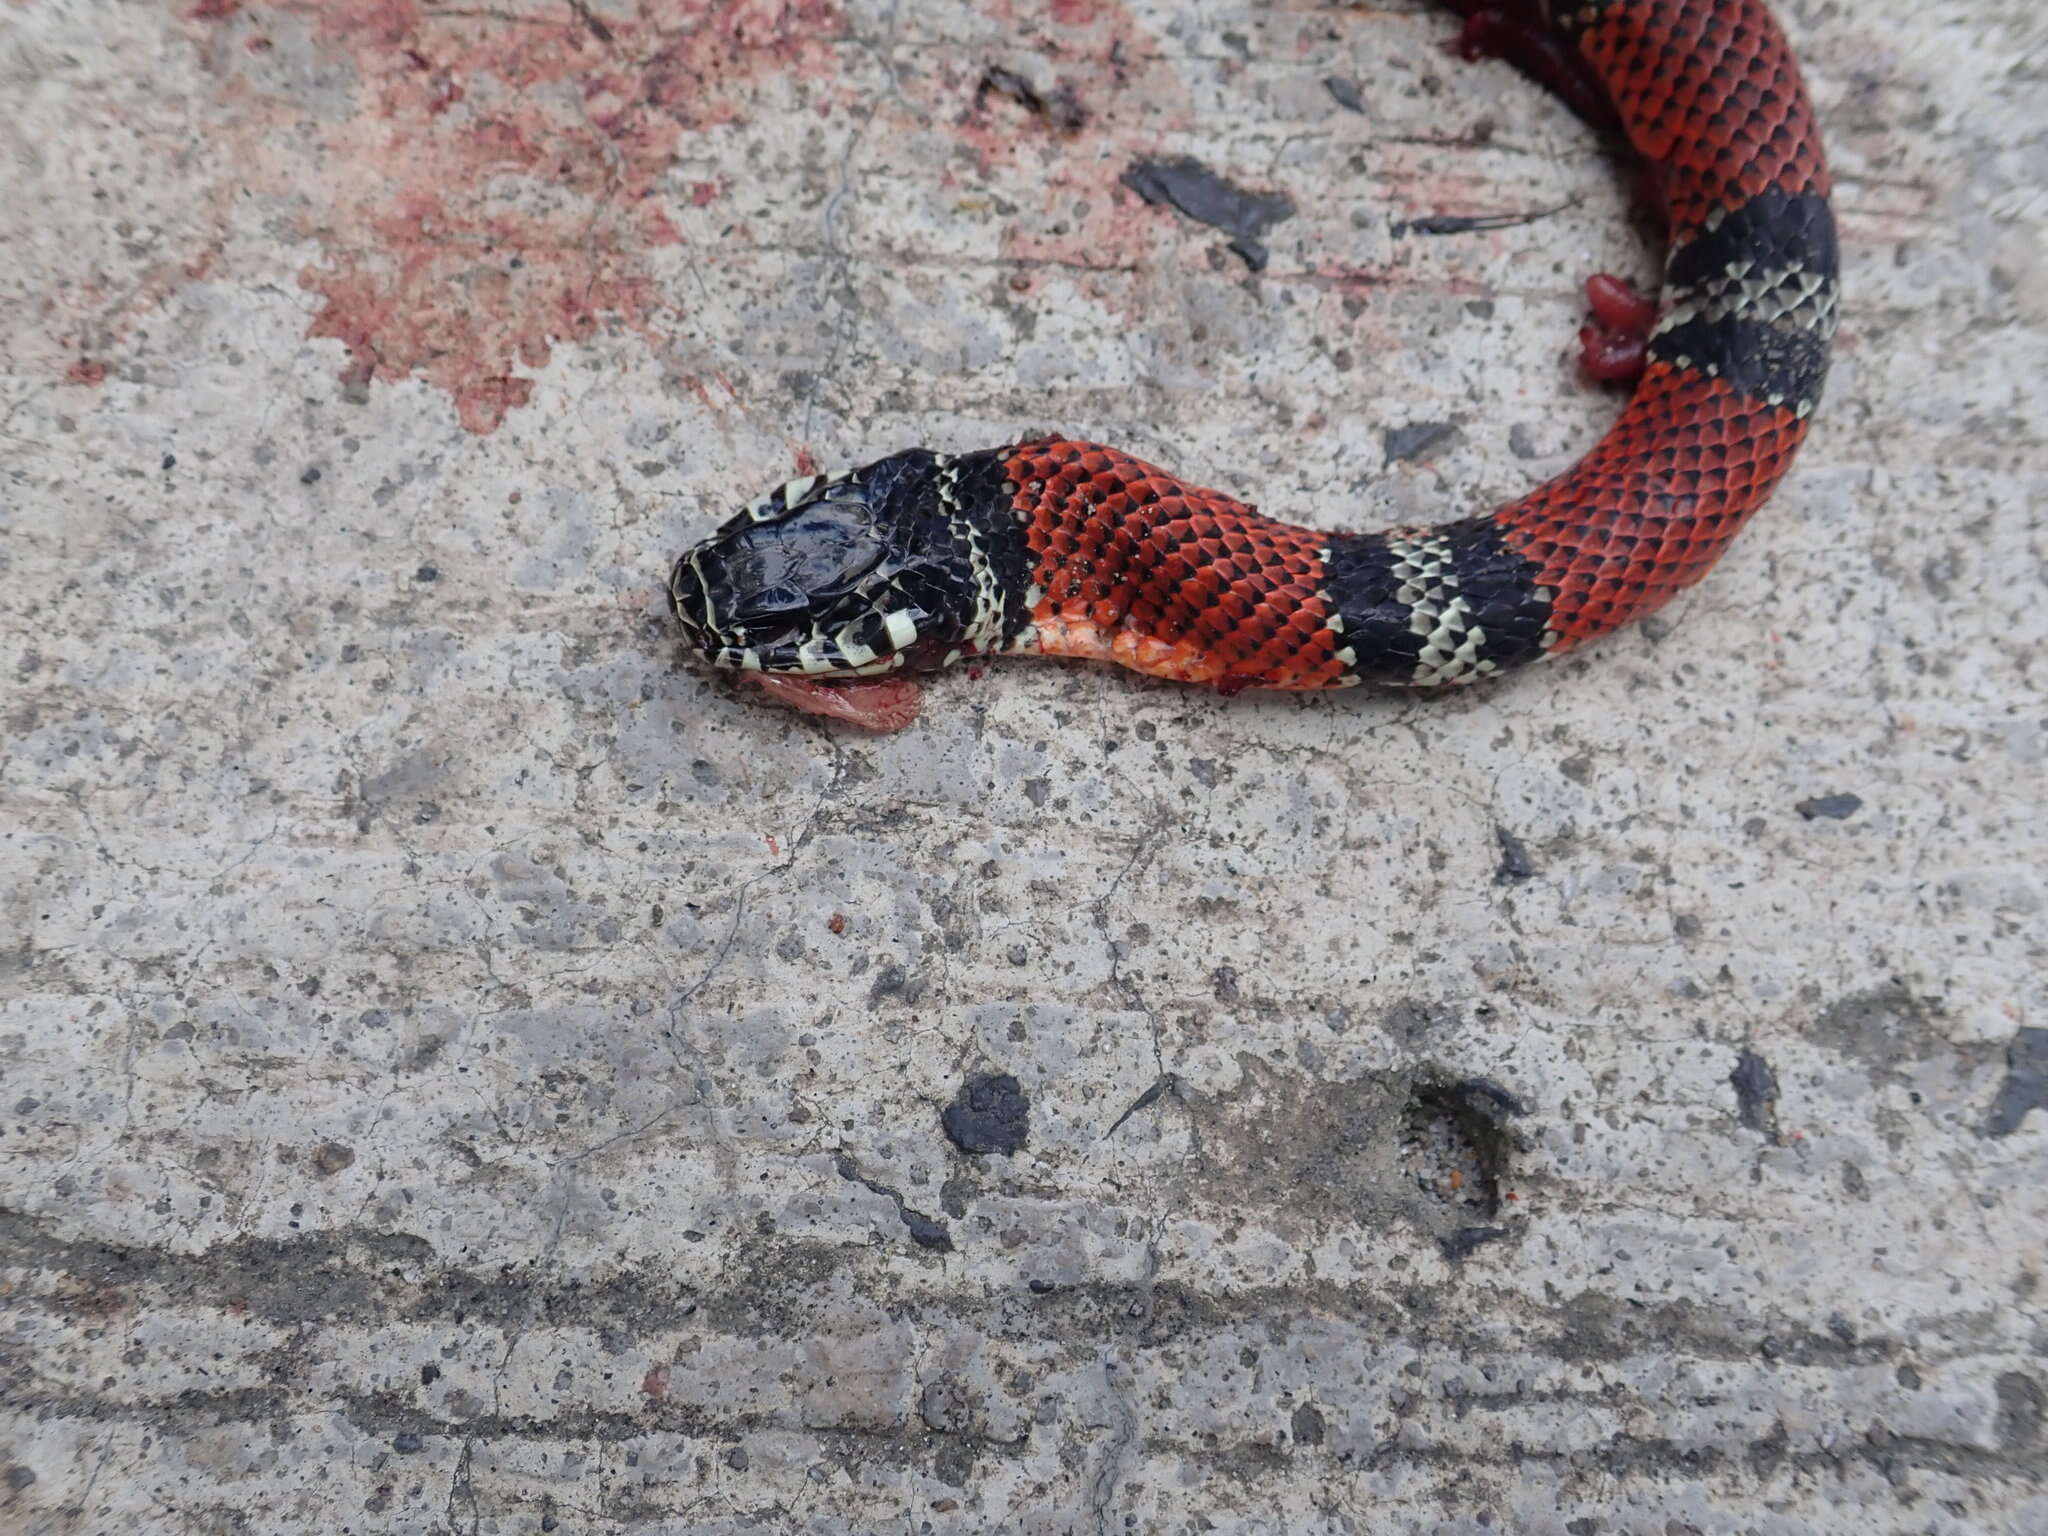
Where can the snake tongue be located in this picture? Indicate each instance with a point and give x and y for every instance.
(873, 704)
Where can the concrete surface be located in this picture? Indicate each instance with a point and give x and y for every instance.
(466, 1071)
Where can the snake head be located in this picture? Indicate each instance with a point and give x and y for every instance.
(852, 575)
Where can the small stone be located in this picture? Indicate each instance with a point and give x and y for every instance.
(407, 1442)
(310, 475)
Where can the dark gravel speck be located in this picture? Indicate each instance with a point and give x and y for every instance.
(1515, 864)
(990, 1113)
(1833, 807)
(1344, 92)
(1417, 439)
(407, 1443)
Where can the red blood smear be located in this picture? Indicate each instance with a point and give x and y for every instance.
(873, 704)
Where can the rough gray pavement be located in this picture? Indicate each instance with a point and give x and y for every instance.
(463, 1070)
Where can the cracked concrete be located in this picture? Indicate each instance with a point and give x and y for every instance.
(463, 1071)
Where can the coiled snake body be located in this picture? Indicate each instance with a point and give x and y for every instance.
(1065, 548)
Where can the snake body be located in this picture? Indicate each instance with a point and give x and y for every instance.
(1065, 548)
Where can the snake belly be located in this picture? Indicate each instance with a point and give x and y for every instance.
(1065, 548)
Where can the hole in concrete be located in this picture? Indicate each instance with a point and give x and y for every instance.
(1458, 1140)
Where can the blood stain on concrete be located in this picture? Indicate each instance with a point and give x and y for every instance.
(497, 187)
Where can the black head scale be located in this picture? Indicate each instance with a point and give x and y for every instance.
(854, 574)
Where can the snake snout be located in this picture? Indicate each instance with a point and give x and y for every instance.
(817, 577)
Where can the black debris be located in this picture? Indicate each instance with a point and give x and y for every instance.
(407, 1442)
(1515, 864)
(1416, 439)
(591, 20)
(1059, 107)
(170, 461)
(310, 475)
(1756, 1093)
(1478, 1110)
(1468, 223)
(2026, 1082)
(1208, 199)
(1345, 92)
(990, 1113)
(1833, 807)
(1480, 1097)
(1460, 1244)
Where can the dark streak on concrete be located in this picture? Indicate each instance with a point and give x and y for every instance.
(924, 1231)
(1460, 1245)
